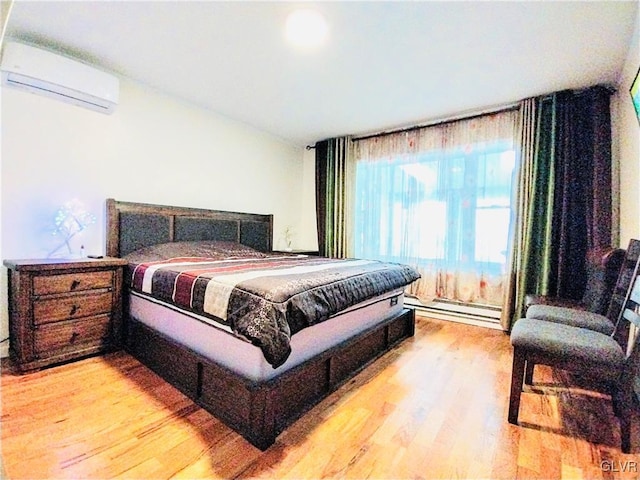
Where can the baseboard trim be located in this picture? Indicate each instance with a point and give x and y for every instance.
(478, 322)
(453, 312)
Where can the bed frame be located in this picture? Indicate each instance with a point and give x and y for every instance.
(258, 410)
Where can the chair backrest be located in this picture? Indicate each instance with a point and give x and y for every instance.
(602, 269)
(628, 272)
(632, 315)
(630, 318)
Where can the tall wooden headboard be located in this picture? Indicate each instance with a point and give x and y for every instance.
(131, 226)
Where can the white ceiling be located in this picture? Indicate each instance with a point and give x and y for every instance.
(385, 65)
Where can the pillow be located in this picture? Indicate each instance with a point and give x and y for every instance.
(208, 249)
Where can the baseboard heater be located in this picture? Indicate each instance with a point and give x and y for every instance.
(480, 315)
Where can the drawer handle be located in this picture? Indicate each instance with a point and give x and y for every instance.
(75, 284)
(74, 335)
(74, 309)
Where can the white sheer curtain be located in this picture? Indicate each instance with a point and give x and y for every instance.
(439, 198)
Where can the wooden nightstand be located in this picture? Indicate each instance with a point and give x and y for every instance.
(61, 310)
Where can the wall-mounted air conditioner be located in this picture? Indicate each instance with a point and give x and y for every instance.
(45, 73)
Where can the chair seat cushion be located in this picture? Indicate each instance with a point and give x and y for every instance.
(572, 317)
(567, 342)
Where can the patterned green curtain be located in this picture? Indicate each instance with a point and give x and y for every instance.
(531, 255)
(564, 195)
(334, 177)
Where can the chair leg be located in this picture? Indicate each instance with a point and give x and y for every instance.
(615, 400)
(625, 433)
(623, 403)
(528, 373)
(517, 376)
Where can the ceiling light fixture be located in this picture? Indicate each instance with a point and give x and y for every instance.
(306, 28)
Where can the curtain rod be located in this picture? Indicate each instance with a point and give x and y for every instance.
(468, 115)
(462, 116)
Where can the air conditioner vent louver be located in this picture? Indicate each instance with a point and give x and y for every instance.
(45, 73)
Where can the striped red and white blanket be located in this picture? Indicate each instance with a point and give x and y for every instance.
(268, 298)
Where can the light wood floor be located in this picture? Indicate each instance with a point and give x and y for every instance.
(435, 407)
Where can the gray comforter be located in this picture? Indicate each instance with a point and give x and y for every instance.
(268, 298)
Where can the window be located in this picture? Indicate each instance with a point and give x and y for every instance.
(461, 209)
(445, 209)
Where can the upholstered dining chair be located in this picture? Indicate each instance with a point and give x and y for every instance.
(602, 269)
(585, 352)
(579, 316)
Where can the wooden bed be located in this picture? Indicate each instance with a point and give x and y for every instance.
(258, 410)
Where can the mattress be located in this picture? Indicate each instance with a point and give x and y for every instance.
(263, 297)
(218, 343)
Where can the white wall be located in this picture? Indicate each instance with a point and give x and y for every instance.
(626, 144)
(308, 238)
(153, 149)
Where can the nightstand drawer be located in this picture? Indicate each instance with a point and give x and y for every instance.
(46, 310)
(71, 282)
(84, 333)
